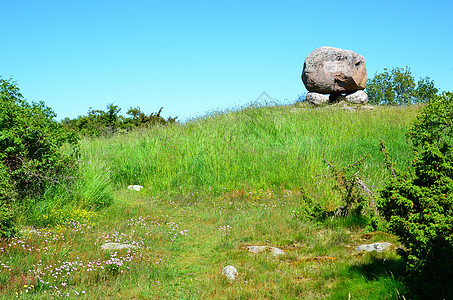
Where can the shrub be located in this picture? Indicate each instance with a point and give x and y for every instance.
(397, 87)
(100, 123)
(419, 206)
(31, 159)
(7, 227)
(356, 196)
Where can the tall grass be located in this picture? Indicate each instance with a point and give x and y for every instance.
(259, 147)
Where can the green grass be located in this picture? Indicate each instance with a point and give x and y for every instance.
(212, 187)
(279, 146)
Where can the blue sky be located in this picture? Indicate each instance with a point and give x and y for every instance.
(192, 57)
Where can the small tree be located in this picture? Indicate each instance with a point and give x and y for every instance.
(419, 206)
(397, 87)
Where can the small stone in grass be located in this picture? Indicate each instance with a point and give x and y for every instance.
(378, 247)
(135, 187)
(257, 249)
(116, 246)
(230, 272)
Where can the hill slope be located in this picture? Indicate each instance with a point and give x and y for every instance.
(256, 147)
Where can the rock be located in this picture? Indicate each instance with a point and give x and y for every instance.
(135, 187)
(276, 251)
(230, 272)
(28, 231)
(317, 98)
(332, 70)
(116, 246)
(379, 247)
(366, 107)
(257, 249)
(357, 97)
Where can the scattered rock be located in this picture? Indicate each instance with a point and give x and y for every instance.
(357, 108)
(27, 231)
(116, 246)
(230, 272)
(276, 251)
(348, 108)
(298, 110)
(317, 98)
(330, 70)
(257, 249)
(134, 187)
(378, 247)
(357, 97)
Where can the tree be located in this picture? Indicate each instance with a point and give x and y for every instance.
(397, 87)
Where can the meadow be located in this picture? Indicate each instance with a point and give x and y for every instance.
(212, 187)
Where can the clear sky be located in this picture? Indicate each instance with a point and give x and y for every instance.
(192, 57)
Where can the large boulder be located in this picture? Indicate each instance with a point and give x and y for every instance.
(330, 70)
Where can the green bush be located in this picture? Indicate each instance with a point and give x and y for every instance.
(419, 205)
(31, 160)
(108, 122)
(397, 87)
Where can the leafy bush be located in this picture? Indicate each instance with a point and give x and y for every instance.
(30, 141)
(419, 206)
(7, 227)
(99, 122)
(310, 209)
(397, 87)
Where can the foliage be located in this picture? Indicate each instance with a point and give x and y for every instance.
(58, 217)
(31, 159)
(99, 122)
(310, 209)
(7, 227)
(397, 87)
(356, 196)
(419, 206)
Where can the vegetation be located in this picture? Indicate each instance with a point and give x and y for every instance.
(397, 87)
(99, 122)
(419, 207)
(212, 187)
(295, 177)
(31, 159)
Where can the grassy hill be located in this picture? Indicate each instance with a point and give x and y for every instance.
(262, 148)
(212, 187)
